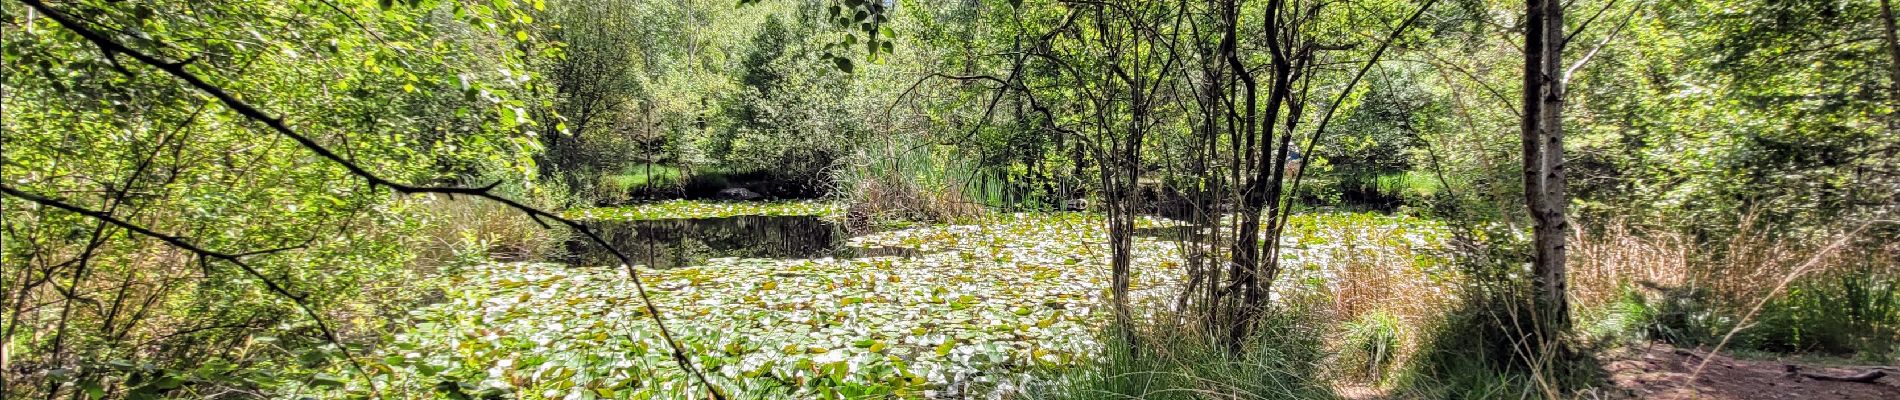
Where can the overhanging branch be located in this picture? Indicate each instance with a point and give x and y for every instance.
(112, 49)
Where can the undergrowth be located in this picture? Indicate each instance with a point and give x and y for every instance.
(901, 181)
(1484, 349)
(1371, 344)
(464, 231)
(1165, 361)
(1669, 286)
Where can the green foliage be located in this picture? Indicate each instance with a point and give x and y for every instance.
(787, 115)
(1714, 107)
(1479, 351)
(437, 91)
(1371, 344)
(1171, 363)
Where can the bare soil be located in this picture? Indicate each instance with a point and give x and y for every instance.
(1663, 372)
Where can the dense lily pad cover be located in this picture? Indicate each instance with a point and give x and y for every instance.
(672, 209)
(985, 303)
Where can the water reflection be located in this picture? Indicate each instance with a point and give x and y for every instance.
(671, 243)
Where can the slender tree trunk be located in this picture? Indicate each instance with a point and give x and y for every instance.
(1121, 243)
(1893, 68)
(1247, 268)
(1543, 162)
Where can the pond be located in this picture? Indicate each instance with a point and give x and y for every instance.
(679, 242)
(777, 300)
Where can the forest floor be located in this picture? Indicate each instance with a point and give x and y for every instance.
(1659, 371)
(1662, 372)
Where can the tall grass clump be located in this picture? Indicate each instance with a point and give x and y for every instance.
(1841, 300)
(461, 231)
(1486, 349)
(1165, 361)
(902, 181)
(1485, 345)
(1370, 345)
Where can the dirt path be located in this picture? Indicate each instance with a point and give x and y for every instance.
(1662, 372)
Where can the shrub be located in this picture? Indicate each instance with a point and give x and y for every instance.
(1631, 316)
(1481, 350)
(904, 182)
(1844, 302)
(461, 230)
(1167, 362)
(1370, 345)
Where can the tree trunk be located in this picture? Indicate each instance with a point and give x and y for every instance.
(1121, 230)
(1257, 161)
(1893, 69)
(1543, 162)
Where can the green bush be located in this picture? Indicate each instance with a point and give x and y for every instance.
(1629, 317)
(1371, 344)
(1478, 351)
(1850, 314)
(902, 181)
(1166, 362)
(1849, 305)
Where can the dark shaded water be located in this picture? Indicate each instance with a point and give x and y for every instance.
(670, 243)
(1179, 232)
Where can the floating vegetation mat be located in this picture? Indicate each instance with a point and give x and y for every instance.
(677, 209)
(983, 304)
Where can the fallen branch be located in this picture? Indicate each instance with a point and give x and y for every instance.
(1869, 376)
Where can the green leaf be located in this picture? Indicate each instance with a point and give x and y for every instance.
(844, 64)
(94, 390)
(945, 348)
(326, 380)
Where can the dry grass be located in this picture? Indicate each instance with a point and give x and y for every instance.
(1384, 288)
(1737, 271)
(462, 229)
(902, 200)
(1602, 263)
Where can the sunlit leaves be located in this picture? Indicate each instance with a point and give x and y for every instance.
(377, 81)
(863, 23)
